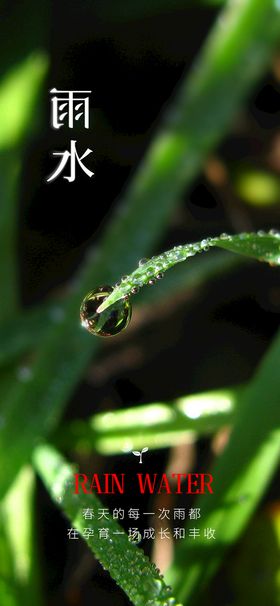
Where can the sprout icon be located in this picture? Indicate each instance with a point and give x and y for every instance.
(137, 453)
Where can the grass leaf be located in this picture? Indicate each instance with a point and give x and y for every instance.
(157, 425)
(241, 475)
(19, 93)
(262, 246)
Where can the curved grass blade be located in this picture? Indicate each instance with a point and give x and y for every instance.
(126, 562)
(262, 246)
(241, 476)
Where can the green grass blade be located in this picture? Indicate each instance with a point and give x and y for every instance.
(241, 475)
(262, 246)
(191, 277)
(9, 175)
(194, 126)
(19, 95)
(257, 550)
(19, 574)
(157, 425)
(126, 563)
(8, 589)
(18, 512)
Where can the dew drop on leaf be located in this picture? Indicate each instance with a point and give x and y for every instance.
(109, 322)
(142, 262)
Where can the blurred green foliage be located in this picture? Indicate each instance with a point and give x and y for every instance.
(34, 397)
(258, 188)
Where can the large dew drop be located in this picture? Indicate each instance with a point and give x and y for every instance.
(111, 321)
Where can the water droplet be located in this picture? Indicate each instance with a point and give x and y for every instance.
(159, 276)
(152, 282)
(150, 272)
(142, 262)
(157, 586)
(111, 321)
(134, 290)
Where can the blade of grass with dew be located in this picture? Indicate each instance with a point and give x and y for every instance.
(25, 332)
(241, 476)
(157, 425)
(262, 246)
(192, 277)
(195, 123)
(126, 562)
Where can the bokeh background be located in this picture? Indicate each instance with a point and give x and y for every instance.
(213, 331)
